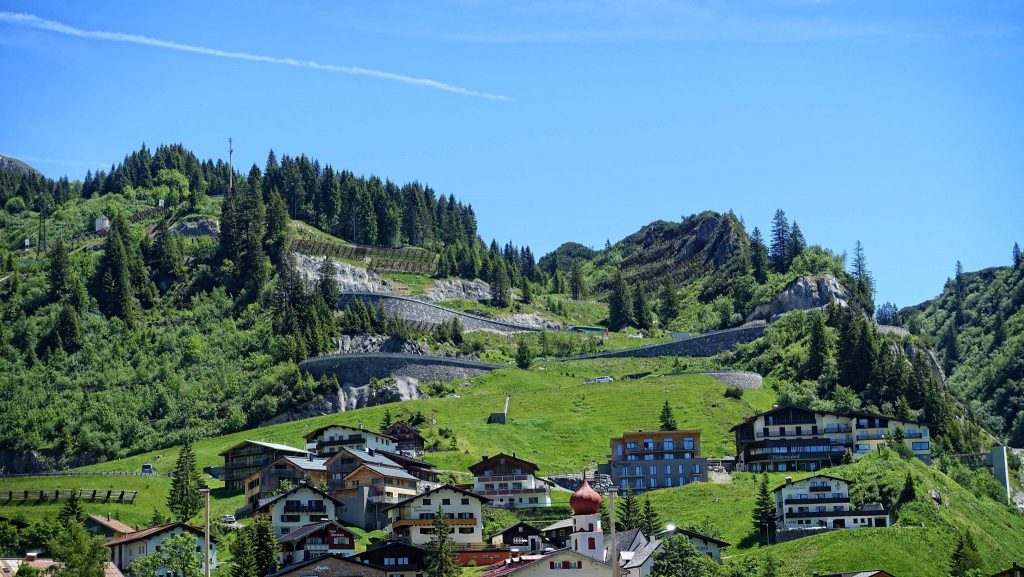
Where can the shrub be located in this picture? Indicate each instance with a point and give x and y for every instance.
(734, 393)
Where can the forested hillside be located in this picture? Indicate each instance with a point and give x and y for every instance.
(977, 324)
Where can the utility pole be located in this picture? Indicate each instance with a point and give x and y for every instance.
(206, 552)
(231, 168)
(613, 551)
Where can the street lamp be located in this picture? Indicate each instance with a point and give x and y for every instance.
(206, 551)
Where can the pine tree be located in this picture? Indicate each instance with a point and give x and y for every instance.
(642, 315)
(327, 284)
(243, 561)
(68, 329)
(387, 421)
(619, 304)
(668, 420)
(1016, 255)
(577, 285)
(278, 227)
(650, 521)
(780, 238)
(72, 511)
(817, 346)
(628, 515)
(114, 290)
(501, 293)
(764, 510)
(795, 244)
(558, 284)
(909, 492)
(965, 556)
(59, 274)
(184, 499)
(264, 546)
(527, 292)
(80, 554)
(759, 258)
(523, 356)
(668, 304)
(440, 560)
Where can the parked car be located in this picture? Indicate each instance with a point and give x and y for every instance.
(603, 379)
(147, 469)
(229, 519)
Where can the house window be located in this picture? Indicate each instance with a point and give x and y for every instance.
(922, 446)
(591, 543)
(618, 450)
(446, 501)
(465, 530)
(688, 443)
(426, 501)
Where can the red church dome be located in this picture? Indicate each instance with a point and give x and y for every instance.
(586, 501)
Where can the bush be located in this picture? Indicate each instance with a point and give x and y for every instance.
(734, 393)
(15, 205)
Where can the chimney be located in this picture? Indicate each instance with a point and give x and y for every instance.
(789, 480)
(31, 556)
(513, 454)
(108, 516)
(484, 458)
(360, 423)
(774, 407)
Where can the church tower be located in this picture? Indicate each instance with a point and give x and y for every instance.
(587, 536)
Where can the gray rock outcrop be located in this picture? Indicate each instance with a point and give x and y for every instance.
(805, 293)
(196, 228)
(450, 289)
(532, 320)
(366, 343)
(349, 278)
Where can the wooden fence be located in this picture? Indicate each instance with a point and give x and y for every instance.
(89, 495)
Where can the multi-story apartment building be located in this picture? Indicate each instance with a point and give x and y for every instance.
(642, 460)
(510, 482)
(823, 502)
(790, 438)
(327, 537)
(293, 469)
(412, 519)
(248, 457)
(301, 506)
(328, 440)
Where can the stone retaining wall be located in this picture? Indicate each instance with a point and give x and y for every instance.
(362, 368)
(701, 346)
(415, 311)
(738, 379)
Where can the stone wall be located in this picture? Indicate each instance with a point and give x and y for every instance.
(423, 313)
(738, 379)
(702, 346)
(361, 369)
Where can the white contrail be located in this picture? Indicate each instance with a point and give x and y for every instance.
(33, 21)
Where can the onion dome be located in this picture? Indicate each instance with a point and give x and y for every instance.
(586, 501)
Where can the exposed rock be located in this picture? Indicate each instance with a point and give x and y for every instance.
(14, 462)
(450, 289)
(533, 320)
(197, 227)
(366, 343)
(401, 388)
(600, 482)
(350, 278)
(805, 293)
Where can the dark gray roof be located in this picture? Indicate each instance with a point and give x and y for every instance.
(305, 530)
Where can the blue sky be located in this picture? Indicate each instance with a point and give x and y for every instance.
(896, 123)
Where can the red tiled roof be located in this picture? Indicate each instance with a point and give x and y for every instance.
(113, 524)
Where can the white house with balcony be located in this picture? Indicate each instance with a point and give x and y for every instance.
(302, 505)
(129, 548)
(510, 482)
(413, 518)
(823, 502)
(328, 440)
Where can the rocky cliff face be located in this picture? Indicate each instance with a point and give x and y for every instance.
(356, 344)
(197, 227)
(805, 293)
(458, 289)
(350, 278)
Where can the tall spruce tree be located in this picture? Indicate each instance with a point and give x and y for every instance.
(628, 516)
(577, 284)
(278, 225)
(264, 545)
(1016, 255)
(795, 244)
(72, 511)
(184, 499)
(523, 356)
(668, 304)
(780, 239)
(650, 521)
(243, 561)
(620, 304)
(817, 346)
(441, 555)
(501, 287)
(59, 273)
(668, 420)
(759, 258)
(764, 510)
(642, 316)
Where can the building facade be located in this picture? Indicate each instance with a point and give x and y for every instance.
(328, 440)
(413, 519)
(106, 527)
(706, 544)
(790, 438)
(301, 506)
(127, 549)
(397, 558)
(408, 438)
(315, 540)
(519, 538)
(643, 461)
(248, 457)
(331, 566)
(509, 482)
(289, 468)
(823, 502)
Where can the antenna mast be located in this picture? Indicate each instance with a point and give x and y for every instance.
(231, 169)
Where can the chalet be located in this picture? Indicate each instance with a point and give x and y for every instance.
(706, 544)
(413, 518)
(1015, 571)
(790, 438)
(420, 469)
(408, 437)
(331, 565)
(399, 558)
(314, 540)
(248, 457)
(557, 533)
(328, 440)
(302, 505)
(823, 502)
(291, 468)
(368, 490)
(127, 549)
(106, 527)
(348, 459)
(519, 538)
(509, 481)
(646, 460)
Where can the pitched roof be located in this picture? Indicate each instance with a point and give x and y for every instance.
(487, 460)
(782, 486)
(510, 566)
(304, 463)
(384, 471)
(316, 432)
(308, 562)
(11, 566)
(156, 530)
(264, 503)
(642, 553)
(558, 525)
(851, 414)
(377, 457)
(623, 539)
(406, 427)
(481, 498)
(389, 543)
(114, 524)
(306, 530)
(696, 535)
(533, 529)
(274, 446)
(406, 460)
